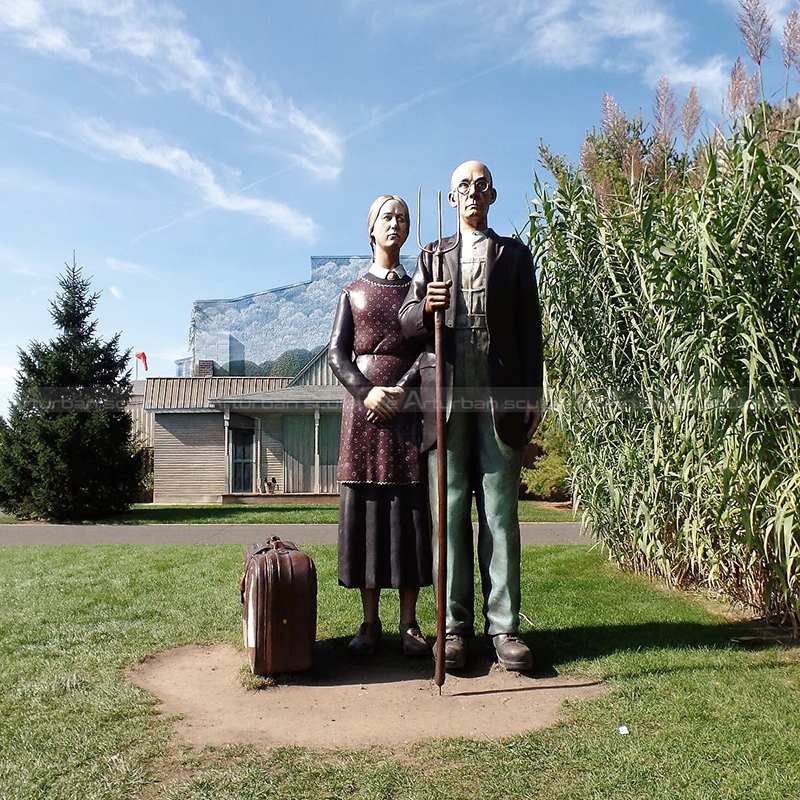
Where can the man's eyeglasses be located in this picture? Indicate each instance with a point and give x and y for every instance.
(481, 185)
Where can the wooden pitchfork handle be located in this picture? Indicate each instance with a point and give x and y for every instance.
(437, 256)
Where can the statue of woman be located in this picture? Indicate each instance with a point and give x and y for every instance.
(384, 520)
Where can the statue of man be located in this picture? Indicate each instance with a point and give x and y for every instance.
(492, 346)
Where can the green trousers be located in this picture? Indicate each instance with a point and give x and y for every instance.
(478, 461)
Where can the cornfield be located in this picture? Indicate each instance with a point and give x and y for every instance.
(671, 296)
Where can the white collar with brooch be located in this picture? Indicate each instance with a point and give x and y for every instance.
(394, 274)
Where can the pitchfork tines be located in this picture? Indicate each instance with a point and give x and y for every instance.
(437, 248)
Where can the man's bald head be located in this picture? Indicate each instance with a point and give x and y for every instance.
(467, 168)
(472, 192)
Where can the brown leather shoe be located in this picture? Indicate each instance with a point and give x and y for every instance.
(455, 651)
(512, 653)
(413, 641)
(365, 642)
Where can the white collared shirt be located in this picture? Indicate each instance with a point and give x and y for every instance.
(473, 244)
(380, 272)
(471, 291)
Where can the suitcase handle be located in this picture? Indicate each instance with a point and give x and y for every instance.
(274, 543)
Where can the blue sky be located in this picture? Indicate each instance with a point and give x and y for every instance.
(198, 150)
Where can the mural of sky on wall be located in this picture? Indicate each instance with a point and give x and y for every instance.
(259, 327)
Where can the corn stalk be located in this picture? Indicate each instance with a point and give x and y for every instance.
(672, 315)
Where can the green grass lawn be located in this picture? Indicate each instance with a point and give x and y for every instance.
(141, 514)
(707, 719)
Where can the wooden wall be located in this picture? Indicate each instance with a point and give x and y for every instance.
(189, 457)
(189, 454)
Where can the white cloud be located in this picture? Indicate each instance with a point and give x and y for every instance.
(594, 33)
(28, 20)
(182, 165)
(116, 292)
(130, 268)
(632, 36)
(147, 44)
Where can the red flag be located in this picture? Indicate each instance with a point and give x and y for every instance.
(142, 356)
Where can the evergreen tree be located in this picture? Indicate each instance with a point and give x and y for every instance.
(67, 450)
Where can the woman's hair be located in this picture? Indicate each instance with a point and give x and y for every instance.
(375, 210)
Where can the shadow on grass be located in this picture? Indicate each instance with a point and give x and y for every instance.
(593, 642)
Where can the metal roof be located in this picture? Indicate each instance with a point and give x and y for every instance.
(290, 398)
(196, 394)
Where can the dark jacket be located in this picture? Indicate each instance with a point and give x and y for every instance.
(513, 319)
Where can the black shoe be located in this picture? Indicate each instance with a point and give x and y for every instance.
(365, 642)
(413, 641)
(455, 651)
(512, 653)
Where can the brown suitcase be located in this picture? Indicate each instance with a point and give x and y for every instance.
(279, 607)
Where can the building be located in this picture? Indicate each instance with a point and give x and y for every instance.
(218, 438)
(222, 431)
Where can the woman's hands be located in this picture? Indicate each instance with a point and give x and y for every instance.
(384, 402)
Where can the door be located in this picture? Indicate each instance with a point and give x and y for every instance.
(242, 461)
(298, 442)
(330, 428)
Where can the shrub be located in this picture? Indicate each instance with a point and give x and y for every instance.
(548, 479)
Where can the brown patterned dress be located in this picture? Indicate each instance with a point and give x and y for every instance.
(384, 521)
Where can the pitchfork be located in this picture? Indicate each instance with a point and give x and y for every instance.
(437, 252)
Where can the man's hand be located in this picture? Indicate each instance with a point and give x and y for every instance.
(438, 296)
(384, 402)
(533, 416)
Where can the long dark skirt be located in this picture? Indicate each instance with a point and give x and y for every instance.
(384, 536)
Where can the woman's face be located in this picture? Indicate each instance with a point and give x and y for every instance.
(391, 227)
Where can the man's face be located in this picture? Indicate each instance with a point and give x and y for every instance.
(471, 191)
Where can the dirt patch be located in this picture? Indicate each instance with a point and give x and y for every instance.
(340, 703)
